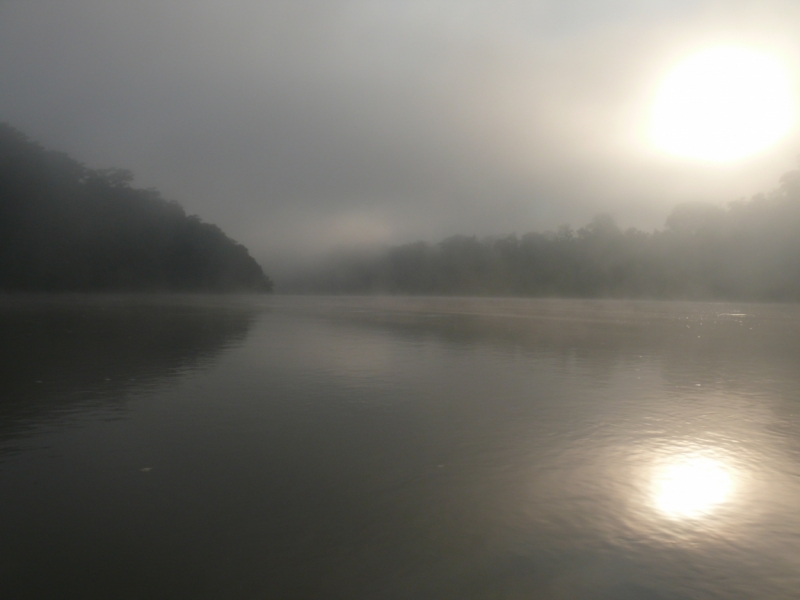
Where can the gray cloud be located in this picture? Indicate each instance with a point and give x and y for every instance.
(301, 125)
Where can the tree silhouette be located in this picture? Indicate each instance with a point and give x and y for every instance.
(65, 227)
(747, 250)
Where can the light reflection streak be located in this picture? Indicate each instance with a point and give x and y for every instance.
(691, 486)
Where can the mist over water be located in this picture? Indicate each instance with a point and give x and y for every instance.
(287, 447)
(477, 438)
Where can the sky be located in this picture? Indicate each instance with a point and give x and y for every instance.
(304, 125)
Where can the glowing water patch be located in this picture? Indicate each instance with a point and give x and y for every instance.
(691, 487)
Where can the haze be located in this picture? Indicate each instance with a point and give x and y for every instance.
(302, 126)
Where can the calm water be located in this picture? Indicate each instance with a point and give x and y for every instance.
(399, 449)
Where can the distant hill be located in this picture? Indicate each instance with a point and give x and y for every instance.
(65, 227)
(747, 250)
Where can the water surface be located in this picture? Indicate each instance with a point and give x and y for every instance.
(250, 447)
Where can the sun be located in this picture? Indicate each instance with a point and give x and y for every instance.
(722, 104)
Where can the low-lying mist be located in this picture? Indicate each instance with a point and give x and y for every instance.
(745, 250)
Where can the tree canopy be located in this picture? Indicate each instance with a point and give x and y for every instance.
(66, 227)
(746, 250)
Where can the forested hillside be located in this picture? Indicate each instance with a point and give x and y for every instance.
(65, 227)
(746, 250)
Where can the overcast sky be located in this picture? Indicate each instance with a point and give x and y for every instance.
(300, 125)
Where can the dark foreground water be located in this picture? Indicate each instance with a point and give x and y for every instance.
(398, 449)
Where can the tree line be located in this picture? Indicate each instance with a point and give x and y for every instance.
(66, 227)
(745, 250)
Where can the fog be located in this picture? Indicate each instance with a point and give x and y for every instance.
(298, 127)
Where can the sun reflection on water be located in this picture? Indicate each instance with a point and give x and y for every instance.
(691, 486)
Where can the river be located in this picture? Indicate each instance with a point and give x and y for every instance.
(398, 448)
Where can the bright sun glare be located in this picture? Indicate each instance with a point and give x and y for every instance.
(722, 104)
(691, 487)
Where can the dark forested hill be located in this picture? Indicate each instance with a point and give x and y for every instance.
(746, 250)
(64, 227)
